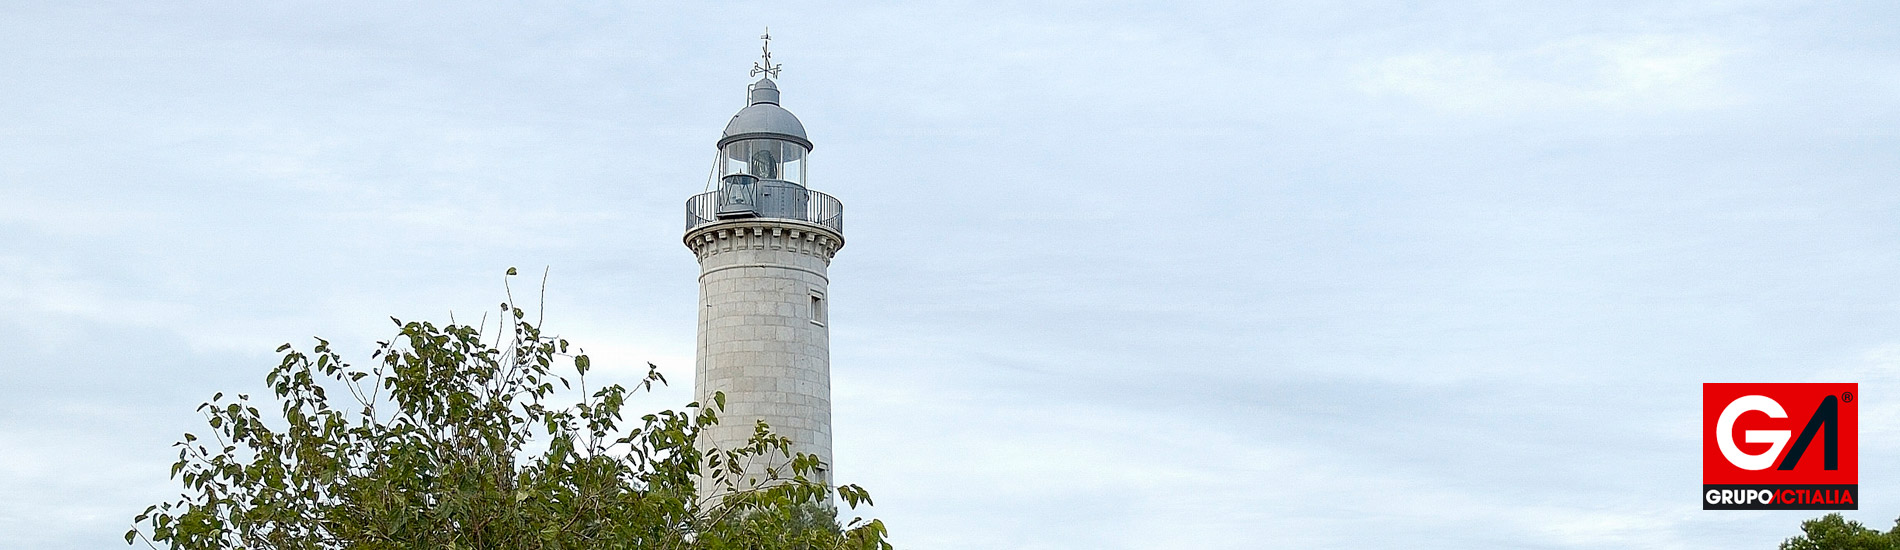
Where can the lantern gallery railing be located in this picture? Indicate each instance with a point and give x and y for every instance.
(745, 197)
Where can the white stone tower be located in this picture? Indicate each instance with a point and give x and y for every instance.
(764, 241)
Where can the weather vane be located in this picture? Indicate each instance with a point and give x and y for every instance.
(766, 67)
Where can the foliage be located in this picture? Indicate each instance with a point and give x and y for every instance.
(1833, 532)
(431, 455)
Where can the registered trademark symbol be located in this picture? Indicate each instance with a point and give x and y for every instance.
(1847, 397)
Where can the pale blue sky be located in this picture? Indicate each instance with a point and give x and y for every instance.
(1168, 275)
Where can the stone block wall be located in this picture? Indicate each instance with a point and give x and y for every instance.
(763, 338)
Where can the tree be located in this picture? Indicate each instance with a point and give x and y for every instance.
(1833, 532)
(430, 453)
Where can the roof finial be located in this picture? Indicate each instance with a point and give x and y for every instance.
(770, 70)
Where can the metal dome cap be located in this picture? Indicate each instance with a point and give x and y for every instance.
(763, 91)
(764, 119)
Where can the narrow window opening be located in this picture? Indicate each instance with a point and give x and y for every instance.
(817, 309)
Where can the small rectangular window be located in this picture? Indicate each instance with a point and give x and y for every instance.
(817, 309)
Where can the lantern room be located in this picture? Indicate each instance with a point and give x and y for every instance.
(764, 140)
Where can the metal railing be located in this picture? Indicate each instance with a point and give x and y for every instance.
(766, 199)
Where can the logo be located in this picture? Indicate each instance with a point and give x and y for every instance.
(1780, 447)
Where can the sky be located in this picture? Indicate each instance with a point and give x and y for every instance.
(1117, 275)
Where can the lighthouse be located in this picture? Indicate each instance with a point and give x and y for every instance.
(764, 240)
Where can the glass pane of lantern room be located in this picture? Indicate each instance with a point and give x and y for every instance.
(792, 167)
(732, 160)
(763, 158)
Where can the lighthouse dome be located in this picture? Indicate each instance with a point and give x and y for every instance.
(764, 119)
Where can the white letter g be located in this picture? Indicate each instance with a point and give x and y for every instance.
(1725, 433)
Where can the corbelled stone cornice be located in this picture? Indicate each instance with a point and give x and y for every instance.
(764, 234)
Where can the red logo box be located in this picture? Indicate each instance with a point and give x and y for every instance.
(1780, 446)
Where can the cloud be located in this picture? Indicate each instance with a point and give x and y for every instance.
(1641, 73)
